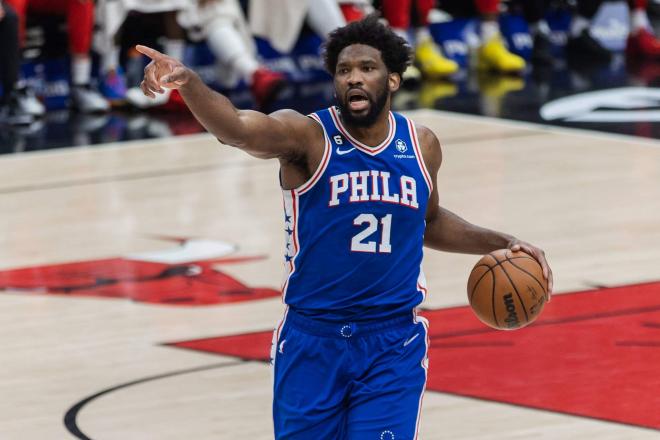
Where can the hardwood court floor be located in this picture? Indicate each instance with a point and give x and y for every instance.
(591, 200)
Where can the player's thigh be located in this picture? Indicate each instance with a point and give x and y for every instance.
(309, 388)
(386, 403)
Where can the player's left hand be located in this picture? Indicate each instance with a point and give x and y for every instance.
(518, 245)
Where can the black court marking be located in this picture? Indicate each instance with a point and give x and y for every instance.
(71, 415)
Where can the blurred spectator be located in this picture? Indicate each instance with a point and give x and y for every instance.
(534, 12)
(642, 43)
(112, 15)
(354, 10)
(428, 57)
(223, 25)
(582, 46)
(18, 105)
(280, 21)
(80, 20)
(492, 54)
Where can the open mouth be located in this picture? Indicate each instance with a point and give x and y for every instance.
(357, 100)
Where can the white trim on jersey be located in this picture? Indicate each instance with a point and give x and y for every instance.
(291, 203)
(275, 342)
(418, 153)
(325, 160)
(421, 284)
(425, 366)
(291, 210)
(359, 145)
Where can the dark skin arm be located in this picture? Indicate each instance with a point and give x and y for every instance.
(448, 232)
(294, 139)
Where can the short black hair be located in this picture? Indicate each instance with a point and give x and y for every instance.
(394, 50)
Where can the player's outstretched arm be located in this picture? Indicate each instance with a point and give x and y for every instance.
(281, 135)
(448, 232)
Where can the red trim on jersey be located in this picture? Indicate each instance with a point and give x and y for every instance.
(320, 170)
(423, 290)
(418, 154)
(425, 367)
(324, 160)
(294, 234)
(295, 224)
(359, 145)
(279, 327)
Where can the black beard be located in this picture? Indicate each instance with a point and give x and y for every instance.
(370, 118)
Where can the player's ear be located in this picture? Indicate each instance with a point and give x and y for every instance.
(394, 81)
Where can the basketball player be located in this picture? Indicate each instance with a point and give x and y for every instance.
(360, 202)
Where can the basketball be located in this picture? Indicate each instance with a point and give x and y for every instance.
(507, 289)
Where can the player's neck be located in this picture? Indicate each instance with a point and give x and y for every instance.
(373, 134)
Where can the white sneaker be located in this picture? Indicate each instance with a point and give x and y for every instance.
(12, 114)
(86, 99)
(138, 99)
(28, 102)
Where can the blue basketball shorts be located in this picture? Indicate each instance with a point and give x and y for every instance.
(349, 381)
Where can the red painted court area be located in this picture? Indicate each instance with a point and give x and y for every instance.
(593, 354)
(195, 283)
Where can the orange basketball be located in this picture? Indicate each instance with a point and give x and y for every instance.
(507, 290)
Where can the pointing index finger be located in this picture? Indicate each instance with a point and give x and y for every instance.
(151, 53)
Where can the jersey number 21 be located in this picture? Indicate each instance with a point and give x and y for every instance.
(358, 243)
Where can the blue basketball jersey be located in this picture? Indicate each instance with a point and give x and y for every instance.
(354, 232)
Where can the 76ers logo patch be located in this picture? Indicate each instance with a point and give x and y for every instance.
(401, 146)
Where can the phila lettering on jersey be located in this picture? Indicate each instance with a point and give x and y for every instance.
(354, 232)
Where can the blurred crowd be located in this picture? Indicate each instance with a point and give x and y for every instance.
(105, 70)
